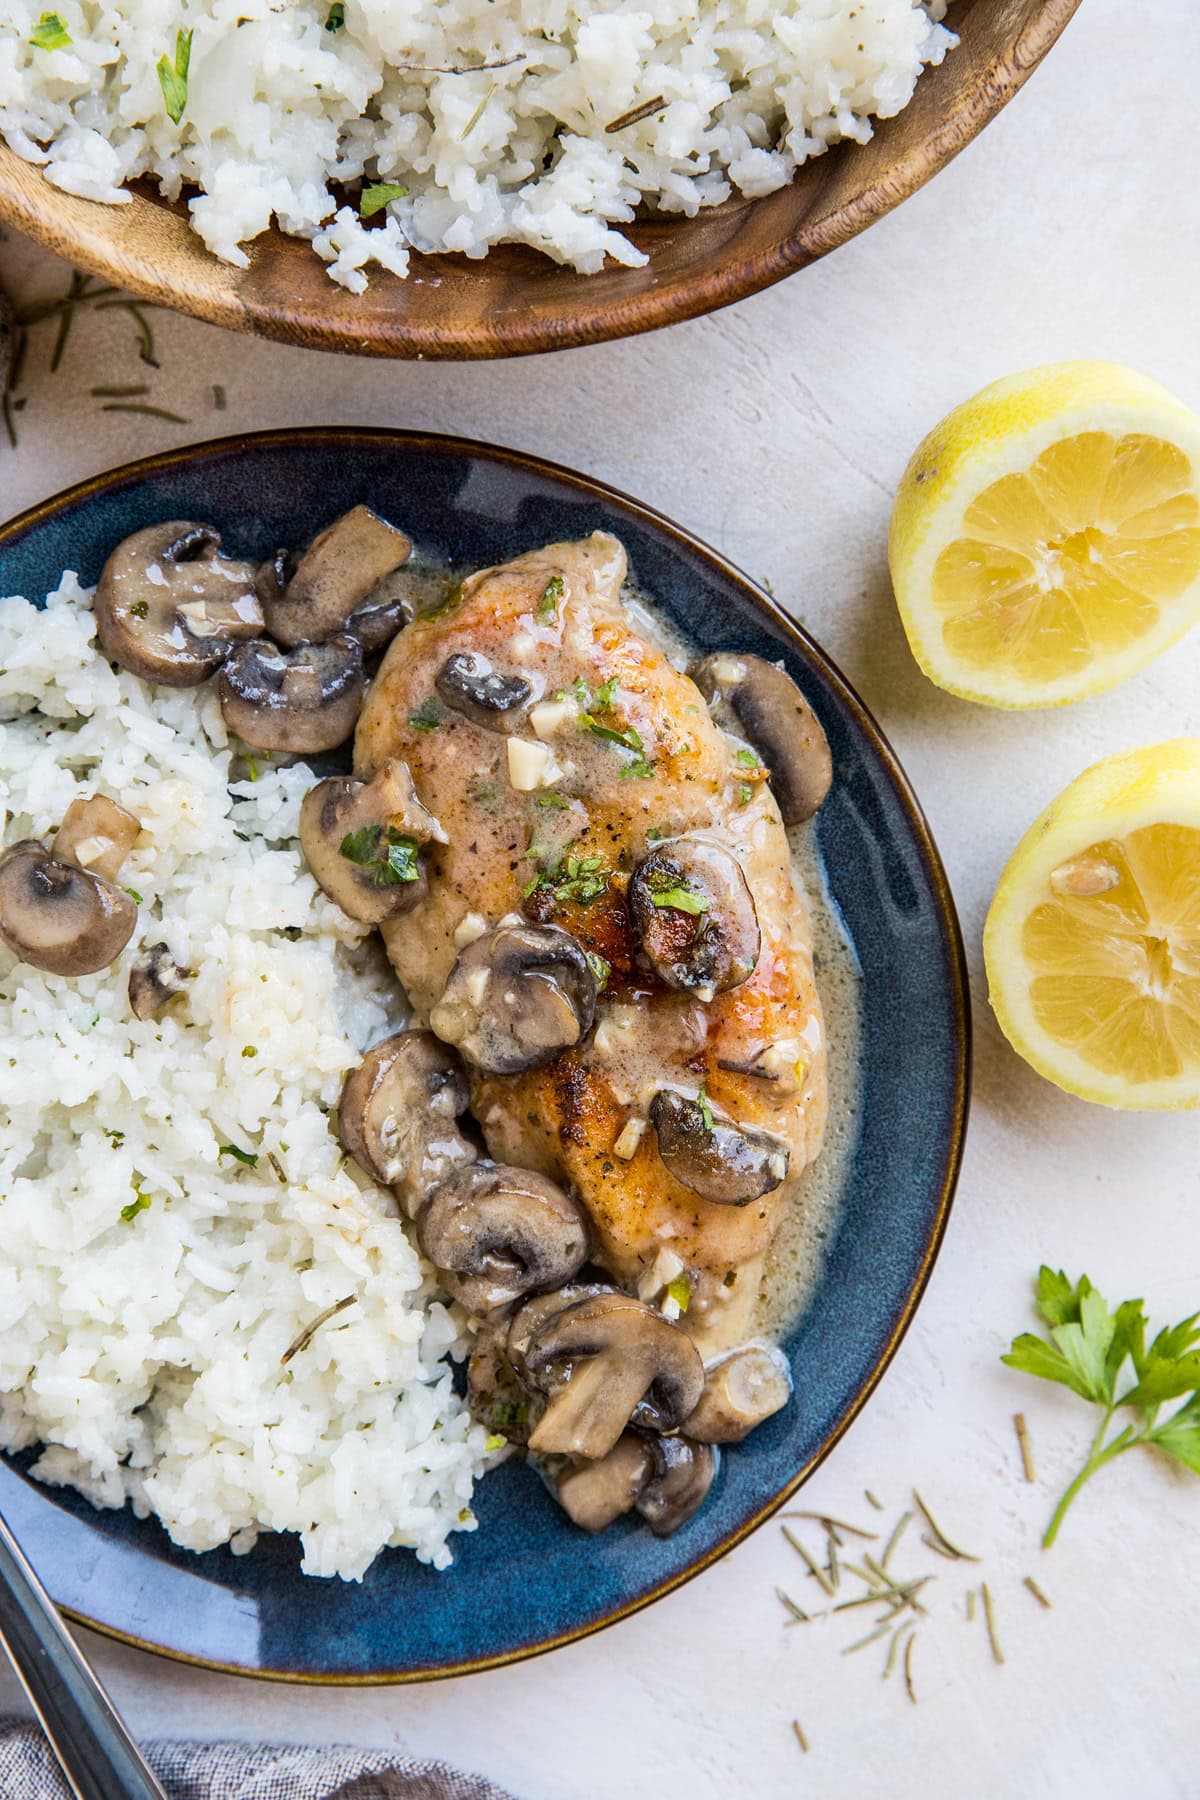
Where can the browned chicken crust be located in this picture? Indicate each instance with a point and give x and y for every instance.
(658, 767)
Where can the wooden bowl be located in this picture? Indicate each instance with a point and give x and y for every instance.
(516, 301)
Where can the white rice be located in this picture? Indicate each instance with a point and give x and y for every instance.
(281, 109)
(144, 1352)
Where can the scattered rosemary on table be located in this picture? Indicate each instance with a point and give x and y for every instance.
(62, 311)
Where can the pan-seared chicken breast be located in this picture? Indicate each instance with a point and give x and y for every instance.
(559, 750)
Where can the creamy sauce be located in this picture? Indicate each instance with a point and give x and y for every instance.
(805, 1230)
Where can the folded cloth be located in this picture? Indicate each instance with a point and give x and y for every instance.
(28, 1771)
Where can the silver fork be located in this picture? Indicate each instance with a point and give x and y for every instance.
(95, 1751)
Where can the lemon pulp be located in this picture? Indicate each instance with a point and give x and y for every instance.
(1073, 558)
(1115, 972)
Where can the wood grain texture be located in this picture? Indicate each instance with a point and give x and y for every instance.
(515, 301)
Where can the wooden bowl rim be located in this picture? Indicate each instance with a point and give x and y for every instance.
(220, 295)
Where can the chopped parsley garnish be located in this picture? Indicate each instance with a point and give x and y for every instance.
(655, 834)
(138, 1204)
(249, 1050)
(640, 769)
(390, 860)
(135, 896)
(496, 1441)
(558, 802)
(744, 795)
(249, 1157)
(729, 1278)
(50, 33)
(450, 599)
(680, 1291)
(580, 878)
(706, 1111)
(173, 77)
(681, 899)
(115, 1138)
(624, 735)
(600, 968)
(427, 716)
(335, 19)
(373, 199)
(140, 609)
(547, 606)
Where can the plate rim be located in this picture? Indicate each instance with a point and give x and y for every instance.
(68, 499)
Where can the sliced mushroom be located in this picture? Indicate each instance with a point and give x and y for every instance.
(683, 1474)
(305, 700)
(516, 997)
(154, 979)
(761, 698)
(727, 1163)
(694, 916)
(96, 834)
(169, 607)
(59, 917)
(603, 1363)
(535, 1312)
(397, 1116)
(498, 1398)
(496, 1233)
(741, 1389)
(595, 1494)
(468, 683)
(361, 840)
(342, 566)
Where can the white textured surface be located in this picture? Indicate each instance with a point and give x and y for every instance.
(778, 431)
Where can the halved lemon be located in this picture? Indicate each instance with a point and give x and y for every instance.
(1092, 942)
(1045, 539)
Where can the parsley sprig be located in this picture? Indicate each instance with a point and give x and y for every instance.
(50, 33)
(1087, 1349)
(389, 860)
(173, 77)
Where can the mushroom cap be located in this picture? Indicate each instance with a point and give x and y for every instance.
(496, 1233)
(724, 1162)
(741, 1389)
(678, 1487)
(59, 917)
(604, 1363)
(154, 979)
(765, 702)
(533, 1313)
(303, 700)
(595, 1494)
(397, 1115)
(342, 566)
(694, 915)
(169, 607)
(468, 683)
(350, 831)
(516, 997)
(96, 834)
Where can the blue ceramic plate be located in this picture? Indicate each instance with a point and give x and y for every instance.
(525, 1581)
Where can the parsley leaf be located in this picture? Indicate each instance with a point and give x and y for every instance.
(137, 1205)
(391, 860)
(706, 1111)
(547, 606)
(680, 1291)
(681, 899)
(249, 1157)
(1086, 1349)
(579, 878)
(173, 78)
(336, 17)
(379, 194)
(557, 802)
(50, 33)
(601, 968)
(427, 716)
